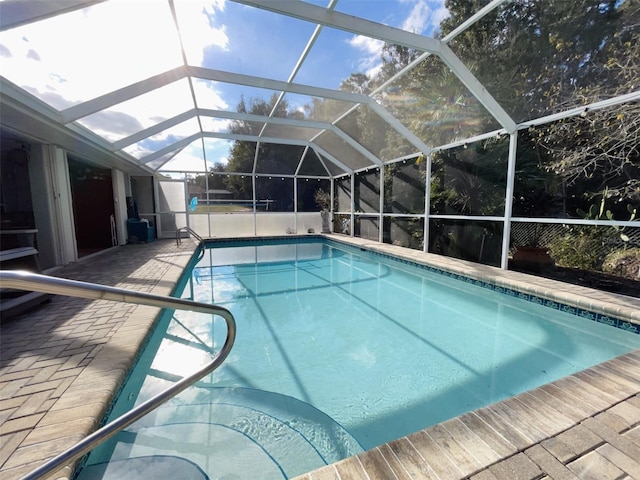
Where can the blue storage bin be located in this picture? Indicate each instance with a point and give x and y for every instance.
(139, 231)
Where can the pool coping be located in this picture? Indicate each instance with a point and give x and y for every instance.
(83, 391)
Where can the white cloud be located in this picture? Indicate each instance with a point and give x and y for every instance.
(425, 16)
(208, 96)
(417, 18)
(196, 20)
(370, 48)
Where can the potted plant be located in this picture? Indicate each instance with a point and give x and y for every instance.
(323, 200)
(532, 255)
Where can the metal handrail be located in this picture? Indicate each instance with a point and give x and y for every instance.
(188, 230)
(42, 283)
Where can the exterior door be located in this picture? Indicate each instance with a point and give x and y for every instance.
(172, 207)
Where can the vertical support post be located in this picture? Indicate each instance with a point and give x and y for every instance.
(295, 204)
(508, 201)
(255, 217)
(120, 205)
(187, 210)
(381, 216)
(253, 189)
(427, 201)
(353, 205)
(333, 196)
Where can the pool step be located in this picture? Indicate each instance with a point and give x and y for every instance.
(239, 432)
(157, 466)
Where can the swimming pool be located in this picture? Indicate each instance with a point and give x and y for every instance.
(337, 347)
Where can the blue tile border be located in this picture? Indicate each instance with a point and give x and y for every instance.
(587, 314)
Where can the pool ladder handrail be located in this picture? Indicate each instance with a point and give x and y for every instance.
(188, 230)
(22, 280)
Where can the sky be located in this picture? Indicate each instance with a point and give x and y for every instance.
(77, 56)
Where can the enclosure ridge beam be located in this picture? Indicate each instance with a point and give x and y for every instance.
(254, 138)
(252, 117)
(278, 85)
(349, 23)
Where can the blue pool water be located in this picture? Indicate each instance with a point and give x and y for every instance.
(337, 350)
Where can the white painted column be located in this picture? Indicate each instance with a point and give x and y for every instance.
(508, 202)
(57, 169)
(353, 205)
(120, 204)
(427, 201)
(381, 216)
(43, 201)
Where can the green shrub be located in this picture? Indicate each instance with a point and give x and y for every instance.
(580, 247)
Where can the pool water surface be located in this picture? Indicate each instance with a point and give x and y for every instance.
(337, 350)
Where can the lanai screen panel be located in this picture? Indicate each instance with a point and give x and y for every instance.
(216, 151)
(434, 105)
(278, 159)
(230, 97)
(141, 112)
(163, 139)
(74, 57)
(217, 124)
(334, 56)
(375, 134)
(470, 179)
(188, 159)
(316, 108)
(341, 150)
(160, 162)
(313, 165)
(215, 96)
(290, 132)
(548, 57)
(334, 169)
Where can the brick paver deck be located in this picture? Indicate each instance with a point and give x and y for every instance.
(61, 364)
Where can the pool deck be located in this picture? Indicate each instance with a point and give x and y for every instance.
(61, 363)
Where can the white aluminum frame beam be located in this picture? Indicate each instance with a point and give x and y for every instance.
(141, 135)
(393, 35)
(349, 23)
(242, 138)
(110, 99)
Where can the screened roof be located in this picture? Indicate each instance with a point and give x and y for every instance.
(345, 84)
